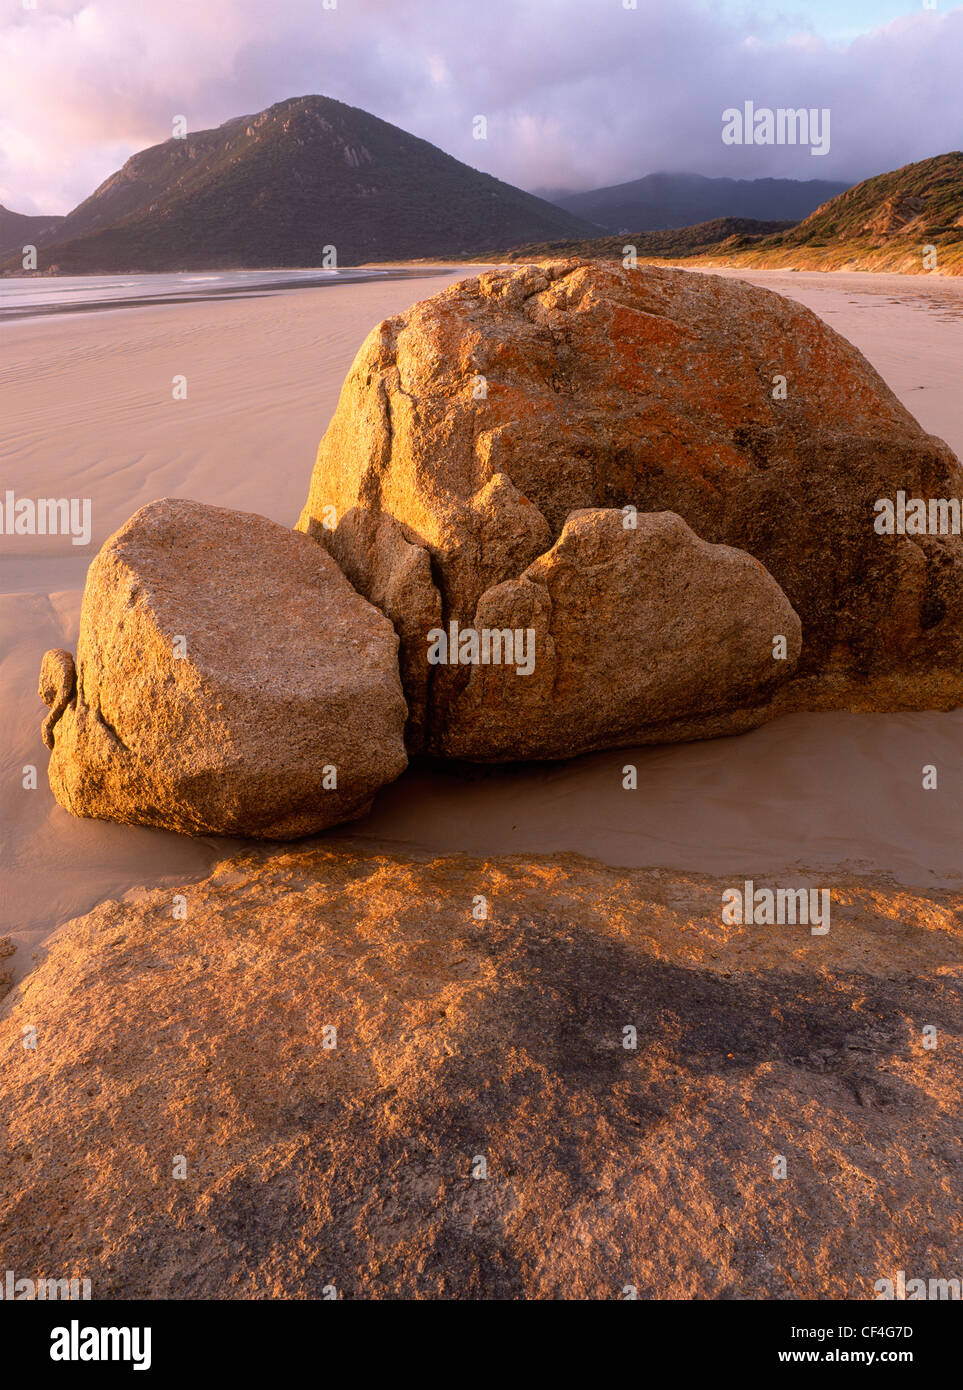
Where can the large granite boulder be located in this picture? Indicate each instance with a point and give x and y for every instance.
(228, 680)
(472, 426)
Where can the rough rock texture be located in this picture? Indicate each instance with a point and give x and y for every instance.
(632, 628)
(224, 667)
(311, 1165)
(7, 948)
(396, 576)
(57, 686)
(476, 422)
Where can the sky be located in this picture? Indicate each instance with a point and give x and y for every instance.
(576, 94)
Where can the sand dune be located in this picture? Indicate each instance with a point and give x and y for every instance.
(88, 409)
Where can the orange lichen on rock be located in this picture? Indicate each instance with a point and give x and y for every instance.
(580, 385)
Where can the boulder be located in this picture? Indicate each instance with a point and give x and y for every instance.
(473, 425)
(229, 680)
(330, 1080)
(632, 629)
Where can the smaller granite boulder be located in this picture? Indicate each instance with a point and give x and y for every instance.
(229, 680)
(623, 634)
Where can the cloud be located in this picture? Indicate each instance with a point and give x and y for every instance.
(576, 93)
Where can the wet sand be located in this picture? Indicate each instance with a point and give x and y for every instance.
(40, 297)
(88, 409)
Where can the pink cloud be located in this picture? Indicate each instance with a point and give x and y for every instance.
(579, 93)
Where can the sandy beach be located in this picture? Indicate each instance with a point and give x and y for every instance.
(88, 407)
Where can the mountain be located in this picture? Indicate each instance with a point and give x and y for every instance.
(682, 200)
(18, 230)
(275, 189)
(909, 220)
(921, 202)
(675, 243)
(884, 223)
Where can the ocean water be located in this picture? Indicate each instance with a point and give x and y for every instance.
(31, 296)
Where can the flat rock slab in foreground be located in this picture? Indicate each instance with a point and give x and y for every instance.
(459, 1040)
(229, 680)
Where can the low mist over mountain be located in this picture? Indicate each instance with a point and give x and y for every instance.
(684, 200)
(17, 230)
(275, 189)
